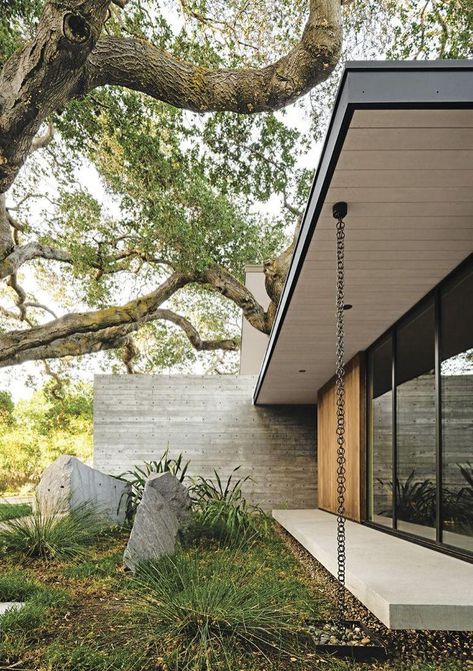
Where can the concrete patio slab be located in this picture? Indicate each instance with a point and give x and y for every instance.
(405, 585)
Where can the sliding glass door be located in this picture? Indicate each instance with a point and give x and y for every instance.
(420, 419)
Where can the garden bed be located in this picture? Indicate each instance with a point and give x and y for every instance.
(87, 614)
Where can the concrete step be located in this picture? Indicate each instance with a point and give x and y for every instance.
(407, 586)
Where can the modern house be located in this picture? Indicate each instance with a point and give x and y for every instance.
(399, 151)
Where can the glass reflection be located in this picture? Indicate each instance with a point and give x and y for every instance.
(416, 424)
(457, 411)
(380, 365)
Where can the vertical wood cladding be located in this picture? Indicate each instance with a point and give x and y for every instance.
(354, 442)
(212, 421)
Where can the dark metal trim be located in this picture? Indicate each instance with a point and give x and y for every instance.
(368, 85)
(394, 425)
(445, 549)
(438, 422)
(402, 66)
(329, 157)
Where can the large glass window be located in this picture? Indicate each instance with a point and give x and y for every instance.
(380, 431)
(415, 423)
(456, 310)
(420, 419)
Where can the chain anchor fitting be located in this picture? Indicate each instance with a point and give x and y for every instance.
(340, 210)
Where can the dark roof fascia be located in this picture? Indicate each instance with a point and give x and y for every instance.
(369, 85)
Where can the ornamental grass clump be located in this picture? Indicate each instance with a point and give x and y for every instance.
(206, 614)
(137, 478)
(50, 535)
(223, 512)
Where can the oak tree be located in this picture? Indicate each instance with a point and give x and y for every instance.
(173, 107)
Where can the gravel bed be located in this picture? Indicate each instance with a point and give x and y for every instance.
(406, 646)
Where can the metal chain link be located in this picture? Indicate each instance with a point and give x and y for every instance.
(340, 392)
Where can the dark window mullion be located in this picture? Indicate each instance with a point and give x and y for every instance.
(394, 427)
(438, 418)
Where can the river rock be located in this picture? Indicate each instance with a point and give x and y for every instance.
(68, 484)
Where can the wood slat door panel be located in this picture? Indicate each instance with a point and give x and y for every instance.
(354, 442)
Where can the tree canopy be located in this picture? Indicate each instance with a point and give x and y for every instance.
(146, 157)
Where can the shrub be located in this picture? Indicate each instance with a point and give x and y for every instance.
(223, 511)
(49, 535)
(204, 613)
(138, 476)
(35, 431)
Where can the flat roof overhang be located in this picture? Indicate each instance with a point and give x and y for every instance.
(399, 151)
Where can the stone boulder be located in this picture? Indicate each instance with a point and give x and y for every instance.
(68, 484)
(164, 508)
(174, 493)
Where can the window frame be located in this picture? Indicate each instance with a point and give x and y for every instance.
(434, 295)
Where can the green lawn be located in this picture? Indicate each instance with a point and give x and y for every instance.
(9, 511)
(88, 614)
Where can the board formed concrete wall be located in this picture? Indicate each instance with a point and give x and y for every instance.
(212, 421)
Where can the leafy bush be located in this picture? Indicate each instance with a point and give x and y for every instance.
(205, 612)
(49, 535)
(415, 500)
(38, 430)
(467, 473)
(138, 476)
(222, 510)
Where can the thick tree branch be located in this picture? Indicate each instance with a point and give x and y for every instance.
(138, 65)
(73, 333)
(73, 345)
(229, 345)
(115, 337)
(28, 252)
(20, 296)
(227, 285)
(110, 328)
(6, 239)
(44, 75)
(66, 59)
